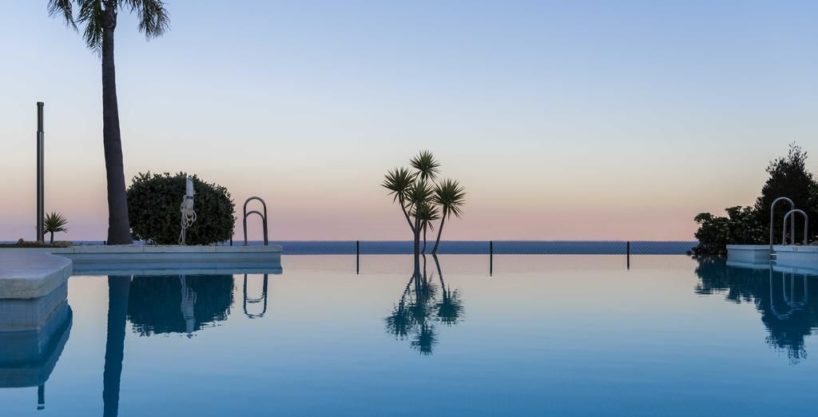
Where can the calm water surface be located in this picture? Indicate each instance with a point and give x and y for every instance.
(545, 335)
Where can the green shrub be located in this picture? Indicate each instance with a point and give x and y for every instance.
(153, 208)
(741, 226)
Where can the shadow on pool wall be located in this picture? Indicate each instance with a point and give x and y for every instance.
(178, 303)
(788, 303)
(422, 305)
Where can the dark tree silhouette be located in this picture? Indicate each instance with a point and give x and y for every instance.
(788, 303)
(99, 18)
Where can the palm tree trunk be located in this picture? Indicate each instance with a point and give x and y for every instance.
(424, 236)
(52, 238)
(439, 232)
(416, 248)
(118, 222)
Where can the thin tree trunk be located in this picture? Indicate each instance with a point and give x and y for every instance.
(52, 238)
(417, 249)
(119, 288)
(118, 222)
(405, 213)
(439, 232)
(424, 236)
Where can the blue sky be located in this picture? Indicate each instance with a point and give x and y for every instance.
(564, 120)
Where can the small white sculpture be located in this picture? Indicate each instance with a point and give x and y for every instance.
(188, 214)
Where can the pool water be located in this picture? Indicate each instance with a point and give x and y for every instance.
(541, 335)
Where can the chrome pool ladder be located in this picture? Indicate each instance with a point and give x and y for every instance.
(790, 215)
(262, 215)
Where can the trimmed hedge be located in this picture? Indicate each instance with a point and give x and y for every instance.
(153, 208)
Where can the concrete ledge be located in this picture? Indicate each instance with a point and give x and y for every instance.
(748, 254)
(131, 260)
(151, 260)
(26, 274)
(795, 256)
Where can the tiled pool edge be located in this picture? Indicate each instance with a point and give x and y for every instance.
(27, 273)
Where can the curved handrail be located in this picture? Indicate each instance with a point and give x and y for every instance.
(262, 299)
(790, 300)
(263, 218)
(772, 216)
(792, 228)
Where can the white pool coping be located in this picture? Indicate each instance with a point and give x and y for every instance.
(30, 274)
(789, 257)
(34, 272)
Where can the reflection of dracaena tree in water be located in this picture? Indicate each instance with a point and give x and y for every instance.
(174, 304)
(421, 305)
(788, 303)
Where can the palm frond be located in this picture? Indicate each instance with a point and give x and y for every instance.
(64, 8)
(427, 166)
(398, 181)
(451, 197)
(427, 213)
(92, 16)
(419, 192)
(55, 222)
(153, 17)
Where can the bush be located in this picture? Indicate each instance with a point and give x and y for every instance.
(153, 208)
(741, 226)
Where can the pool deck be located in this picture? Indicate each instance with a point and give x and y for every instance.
(27, 273)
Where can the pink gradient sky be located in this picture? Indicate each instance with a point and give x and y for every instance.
(563, 121)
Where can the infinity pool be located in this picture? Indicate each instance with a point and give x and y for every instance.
(543, 335)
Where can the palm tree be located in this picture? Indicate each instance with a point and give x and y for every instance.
(451, 197)
(428, 214)
(54, 223)
(99, 18)
(418, 194)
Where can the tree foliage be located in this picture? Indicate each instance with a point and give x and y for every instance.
(54, 223)
(789, 178)
(750, 225)
(97, 15)
(741, 225)
(153, 207)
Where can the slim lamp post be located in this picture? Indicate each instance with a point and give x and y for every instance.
(40, 170)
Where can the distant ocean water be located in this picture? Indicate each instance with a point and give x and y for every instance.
(474, 247)
(507, 247)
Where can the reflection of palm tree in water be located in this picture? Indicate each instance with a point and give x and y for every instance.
(450, 307)
(187, 306)
(118, 290)
(418, 308)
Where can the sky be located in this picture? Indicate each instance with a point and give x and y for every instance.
(574, 120)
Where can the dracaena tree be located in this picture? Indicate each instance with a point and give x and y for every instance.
(425, 200)
(98, 20)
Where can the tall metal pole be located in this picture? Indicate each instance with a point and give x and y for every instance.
(491, 258)
(40, 170)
